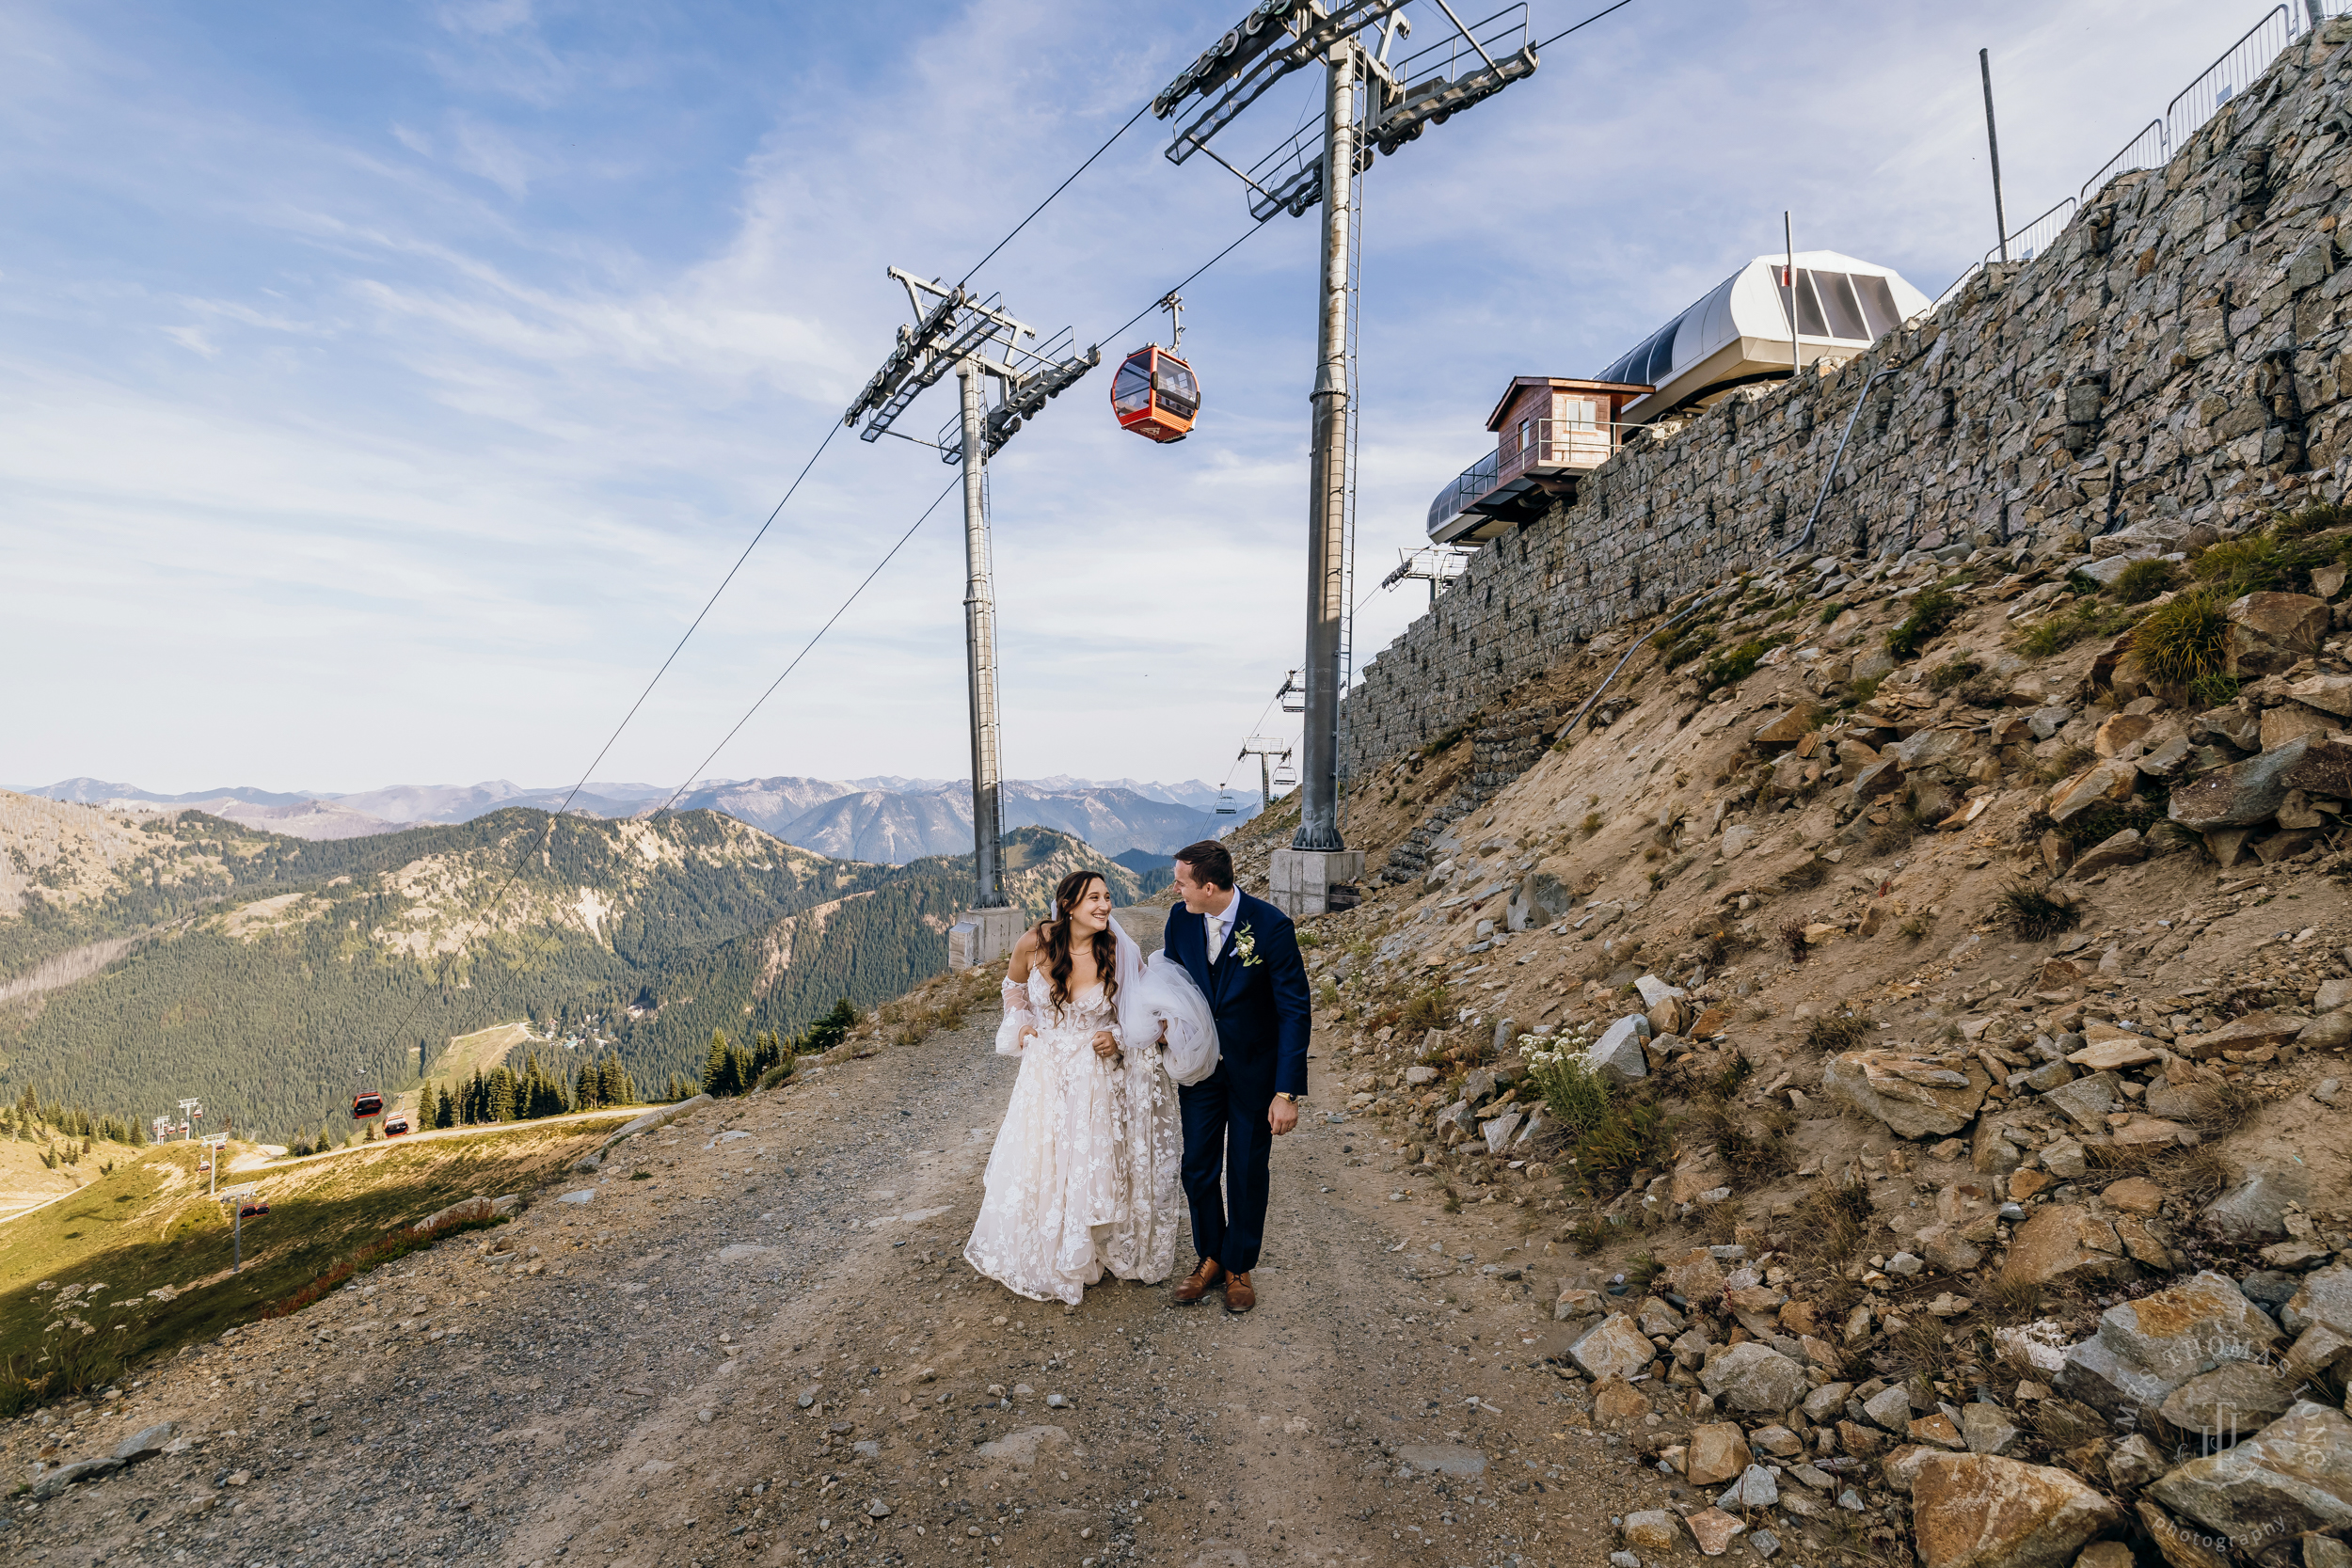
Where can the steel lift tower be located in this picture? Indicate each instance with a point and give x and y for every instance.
(982, 344)
(1370, 106)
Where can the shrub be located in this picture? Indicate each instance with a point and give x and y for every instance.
(1735, 664)
(1953, 672)
(1930, 614)
(1833, 1033)
(1592, 823)
(2251, 563)
(2184, 643)
(1610, 1137)
(2103, 821)
(2144, 581)
(2311, 518)
(2033, 915)
(1428, 1009)
(1792, 940)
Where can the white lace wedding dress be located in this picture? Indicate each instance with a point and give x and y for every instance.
(1083, 1177)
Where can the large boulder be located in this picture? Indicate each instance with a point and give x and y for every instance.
(2268, 632)
(2256, 1209)
(1980, 1510)
(2250, 1033)
(2061, 1243)
(1718, 1452)
(2144, 1350)
(2108, 781)
(2234, 1396)
(2293, 1476)
(2087, 1100)
(2323, 1300)
(2239, 794)
(1613, 1348)
(1752, 1375)
(1617, 1056)
(1918, 1093)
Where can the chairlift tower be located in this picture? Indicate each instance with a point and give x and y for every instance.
(983, 344)
(1261, 748)
(1435, 564)
(1398, 102)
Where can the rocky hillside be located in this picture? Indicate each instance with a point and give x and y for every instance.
(1919, 994)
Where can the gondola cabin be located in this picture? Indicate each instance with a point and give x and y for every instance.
(395, 1126)
(1155, 394)
(365, 1104)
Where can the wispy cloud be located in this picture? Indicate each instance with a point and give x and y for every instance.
(386, 390)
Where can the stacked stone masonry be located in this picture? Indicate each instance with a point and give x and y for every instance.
(1501, 752)
(2178, 355)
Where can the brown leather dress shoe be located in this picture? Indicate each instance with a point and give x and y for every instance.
(1204, 1280)
(1240, 1295)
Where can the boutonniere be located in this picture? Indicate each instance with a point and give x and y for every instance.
(1246, 947)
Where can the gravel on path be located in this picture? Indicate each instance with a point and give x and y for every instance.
(752, 1337)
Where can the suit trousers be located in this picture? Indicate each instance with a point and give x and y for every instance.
(1229, 1151)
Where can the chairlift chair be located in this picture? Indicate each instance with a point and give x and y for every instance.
(1225, 806)
(1286, 776)
(366, 1103)
(1155, 394)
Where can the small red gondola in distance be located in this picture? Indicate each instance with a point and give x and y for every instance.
(395, 1126)
(1155, 394)
(365, 1104)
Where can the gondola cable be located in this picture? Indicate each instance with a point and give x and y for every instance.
(953, 485)
(547, 832)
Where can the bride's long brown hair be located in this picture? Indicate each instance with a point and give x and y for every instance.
(1067, 894)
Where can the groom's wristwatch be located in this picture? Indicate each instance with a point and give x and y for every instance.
(1294, 1098)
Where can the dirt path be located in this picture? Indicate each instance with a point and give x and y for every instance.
(769, 1350)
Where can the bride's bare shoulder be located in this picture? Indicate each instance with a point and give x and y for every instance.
(1025, 954)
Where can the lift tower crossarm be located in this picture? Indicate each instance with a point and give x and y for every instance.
(981, 341)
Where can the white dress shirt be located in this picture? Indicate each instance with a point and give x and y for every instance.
(1219, 927)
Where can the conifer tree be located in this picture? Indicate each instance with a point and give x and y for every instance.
(715, 1069)
(501, 1097)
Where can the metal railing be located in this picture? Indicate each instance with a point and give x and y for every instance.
(2150, 148)
(1548, 446)
(2239, 67)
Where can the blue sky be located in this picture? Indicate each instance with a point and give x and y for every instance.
(382, 388)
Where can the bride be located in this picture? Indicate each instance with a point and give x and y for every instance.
(1084, 1175)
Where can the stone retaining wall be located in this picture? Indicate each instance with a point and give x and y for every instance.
(2176, 357)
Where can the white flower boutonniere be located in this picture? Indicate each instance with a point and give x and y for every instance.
(1246, 947)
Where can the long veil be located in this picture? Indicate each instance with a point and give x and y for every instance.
(1160, 990)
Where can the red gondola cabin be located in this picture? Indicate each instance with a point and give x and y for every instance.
(395, 1126)
(1155, 394)
(367, 1103)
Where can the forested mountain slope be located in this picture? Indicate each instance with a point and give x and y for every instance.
(271, 978)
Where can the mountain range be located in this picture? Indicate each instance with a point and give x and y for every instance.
(886, 820)
(150, 956)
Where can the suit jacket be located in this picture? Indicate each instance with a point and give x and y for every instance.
(1264, 1010)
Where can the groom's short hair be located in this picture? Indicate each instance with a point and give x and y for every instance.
(1209, 861)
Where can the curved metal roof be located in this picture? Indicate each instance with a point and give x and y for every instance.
(1840, 308)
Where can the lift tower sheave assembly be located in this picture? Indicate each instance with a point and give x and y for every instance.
(1398, 102)
(983, 345)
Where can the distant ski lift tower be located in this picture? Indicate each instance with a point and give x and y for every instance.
(1398, 102)
(976, 339)
(1257, 746)
(1435, 564)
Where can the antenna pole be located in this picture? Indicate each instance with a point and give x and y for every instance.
(1788, 238)
(979, 637)
(1993, 142)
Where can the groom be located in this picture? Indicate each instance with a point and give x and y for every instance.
(1244, 954)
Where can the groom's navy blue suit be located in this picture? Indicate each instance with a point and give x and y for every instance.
(1264, 1018)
